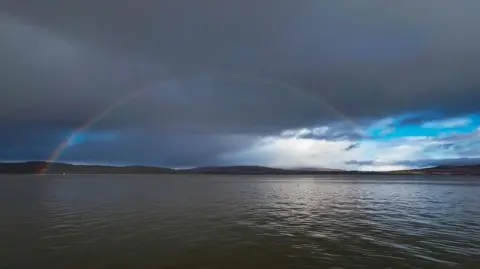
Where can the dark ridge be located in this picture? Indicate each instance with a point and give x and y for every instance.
(36, 167)
(262, 170)
(454, 170)
(444, 167)
(236, 170)
(65, 168)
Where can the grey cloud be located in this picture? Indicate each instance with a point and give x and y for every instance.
(165, 150)
(427, 57)
(63, 62)
(352, 146)
(129, 147)
(459, 137)
(20, 141)
(359, 163)
(334, 134)
(450, 146)
(416, 120)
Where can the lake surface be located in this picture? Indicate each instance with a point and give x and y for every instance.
(239, 222)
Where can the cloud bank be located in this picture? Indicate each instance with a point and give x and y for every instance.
(213, 81)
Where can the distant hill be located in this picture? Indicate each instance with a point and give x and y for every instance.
(65, 168)
(61, 168)
(256, 170)
(468, 170)
(237, 170)
(452, 170)
(317, 169)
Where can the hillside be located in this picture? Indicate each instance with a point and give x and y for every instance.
(61, 168)
(64, 168)
(451, 170)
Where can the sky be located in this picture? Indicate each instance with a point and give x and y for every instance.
(359, 85)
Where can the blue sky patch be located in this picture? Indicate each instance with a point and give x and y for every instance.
(395, 127)
(92, 136)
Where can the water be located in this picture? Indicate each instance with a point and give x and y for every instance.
(239, 222)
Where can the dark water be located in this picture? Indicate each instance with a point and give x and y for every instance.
(239, 222)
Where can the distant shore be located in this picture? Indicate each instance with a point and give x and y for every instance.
(40, 167)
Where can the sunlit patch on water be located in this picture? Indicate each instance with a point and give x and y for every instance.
(318, 235)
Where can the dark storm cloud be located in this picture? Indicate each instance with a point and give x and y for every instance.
(164, 150)
(63, 62)
(19, 141)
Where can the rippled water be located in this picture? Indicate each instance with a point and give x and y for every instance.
(239, 222)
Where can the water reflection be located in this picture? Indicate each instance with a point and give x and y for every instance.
(239, 222)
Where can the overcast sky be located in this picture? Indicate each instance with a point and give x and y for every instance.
(369, 85)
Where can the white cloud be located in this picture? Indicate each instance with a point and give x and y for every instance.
(382, 124)
(305, 152)
(316, 147)
(320, 130)
(296, 132)
(369, 155)
(294, 152)
(447, 123)
(384, 167)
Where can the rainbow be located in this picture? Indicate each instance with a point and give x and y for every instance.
(97, 117)
(125, 99)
